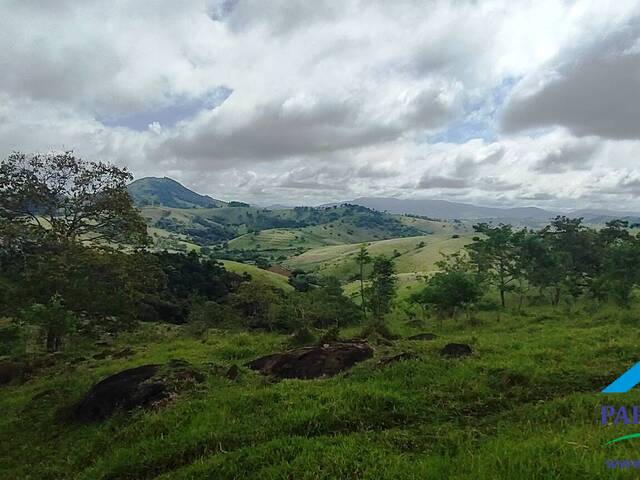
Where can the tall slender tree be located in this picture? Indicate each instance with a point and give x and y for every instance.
(363, 259)
(496, 255)
(382, 290)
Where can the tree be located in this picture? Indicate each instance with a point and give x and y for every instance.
(577, 253)
(54, 319)
(621, 269)
(61, 219)
(259, 304)
(69, 198)
(455, 286)
(496, 255)
(382, 289)
(539, 264)
(363, 259)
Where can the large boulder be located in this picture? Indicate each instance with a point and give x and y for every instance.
(313, 362)
(456, 350)
(142, 386)
(10, 371)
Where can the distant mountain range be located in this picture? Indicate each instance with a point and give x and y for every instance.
(452, 210)
(169, 193)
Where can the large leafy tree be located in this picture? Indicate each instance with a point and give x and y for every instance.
(576, 251)
(60, 220)
(61, 195)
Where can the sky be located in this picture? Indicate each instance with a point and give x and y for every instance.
(500, 103)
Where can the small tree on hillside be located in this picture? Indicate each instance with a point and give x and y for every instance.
(621, 270)
(54, 320)
(496, 255)
(455, 286)
(363, 259)
(577, 253)
(382, 289)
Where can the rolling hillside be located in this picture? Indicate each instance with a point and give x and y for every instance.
(280, 232)
(258, 275)
(169, 193)
(412, 255)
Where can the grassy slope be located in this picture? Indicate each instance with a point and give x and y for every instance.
(340, 260)
(257, 274)
(524, 406)
(277, 239)
(340, 226)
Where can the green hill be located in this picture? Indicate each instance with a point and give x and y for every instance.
(282, 232)
(412, 255)
(258, 275)
(169, 193)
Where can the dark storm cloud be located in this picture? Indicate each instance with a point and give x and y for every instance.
(564, 158)
(591, 91)
(275, 132)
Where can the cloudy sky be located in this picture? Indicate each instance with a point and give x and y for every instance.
(502, 102)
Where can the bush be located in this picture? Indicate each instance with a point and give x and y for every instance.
(54, 319)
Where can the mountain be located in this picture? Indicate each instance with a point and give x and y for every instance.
(452, 210)
(169, 193)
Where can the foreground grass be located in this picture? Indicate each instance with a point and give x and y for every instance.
(525, 405)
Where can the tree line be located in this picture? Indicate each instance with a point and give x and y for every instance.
(565, 260)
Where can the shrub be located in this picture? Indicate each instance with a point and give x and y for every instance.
(53, 318)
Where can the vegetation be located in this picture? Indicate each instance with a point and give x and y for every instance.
(550, 316)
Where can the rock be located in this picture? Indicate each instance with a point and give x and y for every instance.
(9, 371)
(312, 362)
(125, 352)
(46, 361)
(233, 372)
(423, 336)
(456, 350)
(383, 362)
(102, 355)
(142, 386)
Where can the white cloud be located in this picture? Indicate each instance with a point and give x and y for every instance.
(335, 99)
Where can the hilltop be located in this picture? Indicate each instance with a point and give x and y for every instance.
(168, 193)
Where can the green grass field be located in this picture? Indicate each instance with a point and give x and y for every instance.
(410, 257)
(258, 275)
(525, 405)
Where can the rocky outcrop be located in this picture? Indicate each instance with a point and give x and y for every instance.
(313, 362)
(142, 386)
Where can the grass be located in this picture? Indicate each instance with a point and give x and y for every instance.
(525, 405)
(258, 275)
(409, 256)
(281, 240)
